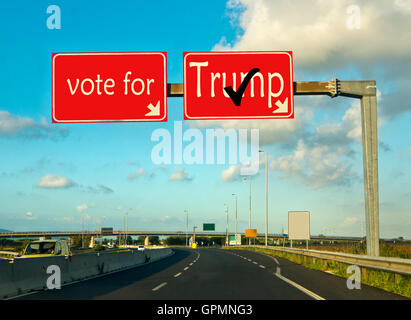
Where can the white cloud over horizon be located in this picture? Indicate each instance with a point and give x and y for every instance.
(14, 125)
(179, 174)
(54, 181)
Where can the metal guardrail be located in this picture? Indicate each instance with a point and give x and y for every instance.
(396, 265)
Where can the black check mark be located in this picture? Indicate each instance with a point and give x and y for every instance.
(237, 96)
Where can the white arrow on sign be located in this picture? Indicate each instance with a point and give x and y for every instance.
(154, 110)
(281, 106)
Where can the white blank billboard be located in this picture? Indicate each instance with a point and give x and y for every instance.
(298, 225)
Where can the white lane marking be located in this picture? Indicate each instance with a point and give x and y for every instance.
(249, 260)
(255, 262)
(261, 266)
(296, 285)
(186, 268)
(276, 261)
(177, 275)
(191, 263)
(159, 286)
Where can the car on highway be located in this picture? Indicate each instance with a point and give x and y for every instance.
(140, 248)
(46, 248)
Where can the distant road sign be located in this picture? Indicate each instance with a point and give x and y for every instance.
(235, 240)
(109, 87)
(298, 225)
(251, 233)
(238, 85)
(106, 231)
(208, 226)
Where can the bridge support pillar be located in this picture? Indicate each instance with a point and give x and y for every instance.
(91, 245)
(147, 241)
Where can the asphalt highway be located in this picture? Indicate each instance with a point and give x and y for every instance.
(215, 274)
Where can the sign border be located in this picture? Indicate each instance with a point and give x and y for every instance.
(289, 53)
(55, 55)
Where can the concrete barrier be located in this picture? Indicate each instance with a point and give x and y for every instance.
(23, 275)
(6, 280)
(156, 254)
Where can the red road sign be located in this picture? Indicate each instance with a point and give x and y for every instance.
(109, 87)
(238, 85)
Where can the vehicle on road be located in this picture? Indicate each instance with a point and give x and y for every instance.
(46, 248)
(140, 248)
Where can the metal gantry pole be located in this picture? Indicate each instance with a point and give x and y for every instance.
(370, 159)
(367, 92)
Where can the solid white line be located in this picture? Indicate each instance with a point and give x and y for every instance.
(177, 275)
(159, 286)
(299, 287)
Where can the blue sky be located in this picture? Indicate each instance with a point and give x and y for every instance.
(104, 170)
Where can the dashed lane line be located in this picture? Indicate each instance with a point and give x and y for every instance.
(159, 286)
(177, 275)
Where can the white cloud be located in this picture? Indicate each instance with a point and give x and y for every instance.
(139, 173)
(231, 174)
(319, 37)
(11, 125)
(316, 166)
(53, 181)
(179, 174)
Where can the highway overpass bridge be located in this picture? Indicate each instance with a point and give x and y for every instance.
(135, 233)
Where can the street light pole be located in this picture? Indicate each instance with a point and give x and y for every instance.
(266, 196)
(194, 234)
(249, 219)
(236, 211)
(82, 231)
(186, 227)
(226, 226)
